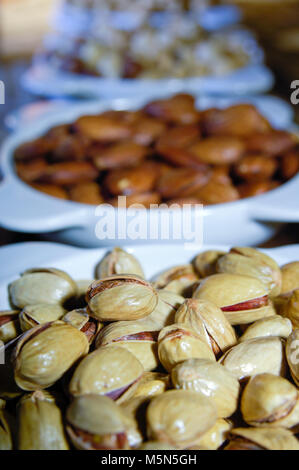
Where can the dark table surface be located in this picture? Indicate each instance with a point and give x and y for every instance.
(15, 97)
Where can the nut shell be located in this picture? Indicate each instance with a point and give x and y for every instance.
(9, 325)
(38, 314)
(264, 439)
(118, 261)
(180, 417)
(292, 353)
(270, 326)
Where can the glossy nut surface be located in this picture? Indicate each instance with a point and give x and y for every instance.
(118, 261)
(38, 314)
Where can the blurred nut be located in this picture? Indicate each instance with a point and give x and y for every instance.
(119, 155)
(67, 173)
(255, 167)
(289, 164)
(290, 309)
(102, 128)
(256, 188)
(290, 277)
(181, 182)
(86, 193)
(126, 181)
(275, 142)
(218, 150)
(51, 190)
(210, 379)
(217, 193)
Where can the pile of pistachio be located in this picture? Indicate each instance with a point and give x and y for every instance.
(204, 357)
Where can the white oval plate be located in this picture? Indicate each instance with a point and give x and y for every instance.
(80, 263)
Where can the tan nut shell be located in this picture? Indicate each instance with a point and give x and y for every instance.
(10, 328)
(118, 261)
(5, 433)
(42, 285)
(121, 297)
(140, 338)
(38, 314)
(290, 277)
(77, 318)
(208, 321)
(106, 371)
(178, 279)
(44, 353)
(248, 261)
(205, 262)
(292, 353)
(269, 400)
(291, 308)
(98, 416)
(177, 343)
(168, 303)
(226, 289)
(210, 379)
(152, 384)
(180, 417)
(216, 436)
(270, 326)
(268, 438)
(40, 423)
(255, 356)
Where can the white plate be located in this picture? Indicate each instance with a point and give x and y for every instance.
(80, 263)
(44, 80)
(248, 221)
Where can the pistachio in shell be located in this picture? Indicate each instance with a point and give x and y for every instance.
(40, 423)
(152, 384)
(121, 297)
(168, 303)
(248, 261)
(118, 261)
(5, 432)
(269, 326)
(269, 400)
(205, 262)
(38, 314)
(41, 285)
(177, 343)
(111, 370)
(95, 422)
(290, 277)
(291, 308)
(243, 299)
(80, 319)
(263, 438)
(44, 353)
(292, 353)
(9, 325)
(135, 408)
(255, 356)
(180, 417)
(209, 322)
(178, 279)
(216, 436)
(140, 338)
(210, 379)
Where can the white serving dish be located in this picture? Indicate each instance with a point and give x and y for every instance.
(249, 221)
(80, 263)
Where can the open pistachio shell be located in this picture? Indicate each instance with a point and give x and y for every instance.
(205, 262)
(44, 353)
(177, 279)
(177, 343)
(291, 308)
(168, 303)
(270, 326)
(180, 417)
(248, 261)
(292, 353)
(9, 325)
(111, 370)
(290, 277)
(152, 384)
(262, 439)
(38, 314)
(243, 299)
(40, 423)
(5, 433)
(216, 436)
(121, 297)
(42, 285)
(210, 379)
(97, 422)
(209, 322)
(140, 338)
(118, 261)
(269, 400)
(255, 356)
(80, 319)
